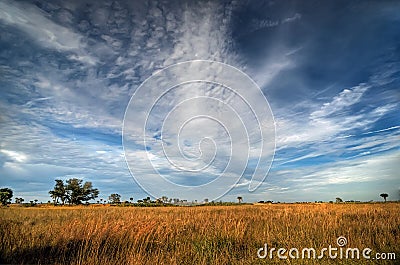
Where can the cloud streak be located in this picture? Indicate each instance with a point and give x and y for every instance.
(35, 23)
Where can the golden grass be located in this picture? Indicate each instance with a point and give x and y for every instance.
(192, 235)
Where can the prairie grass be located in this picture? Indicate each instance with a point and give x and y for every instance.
(193, 235)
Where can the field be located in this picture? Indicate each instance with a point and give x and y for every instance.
(194, 235)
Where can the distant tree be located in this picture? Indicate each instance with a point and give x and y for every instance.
(139, 201)
(19, 200)
(338, 200)
(131, 199)
(114, 198)
(240, 199)
(384, 196)
(164, 199)
(5, 196)
(206, 200)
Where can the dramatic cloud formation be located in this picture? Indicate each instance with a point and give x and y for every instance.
(330, 73)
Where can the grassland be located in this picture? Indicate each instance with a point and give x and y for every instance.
(192, 235)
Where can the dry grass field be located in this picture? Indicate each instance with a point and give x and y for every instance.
(193, 235)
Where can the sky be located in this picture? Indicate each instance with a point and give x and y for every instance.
(329, 73)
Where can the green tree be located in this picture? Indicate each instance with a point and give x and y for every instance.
(338, 200)
(114, 198)
(59, 192)
(384, 196)
(240, 199)
(78, 193)
(147, 200)
(19, 200)
(73, 191)
(5, 196)
(164, 199)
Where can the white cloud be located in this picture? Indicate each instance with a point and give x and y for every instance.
(266, 74)
(363, 169)
(295, 17)
(328, 121)
(36, 23)
(383, 130)
(346, 98)
(15, 156)
(93, 99)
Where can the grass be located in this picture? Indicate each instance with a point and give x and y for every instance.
(192, 235)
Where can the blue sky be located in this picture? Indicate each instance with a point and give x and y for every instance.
(330, 72)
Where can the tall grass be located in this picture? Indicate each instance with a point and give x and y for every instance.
(191, 235)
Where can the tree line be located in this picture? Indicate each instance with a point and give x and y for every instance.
(75, 191)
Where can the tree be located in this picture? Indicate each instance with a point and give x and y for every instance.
(89, 193)
(384, 196)
(114, 198)
(19, 200)
(78, 193)
(5, 196)
(131, 199)
(338, 200)
(164, 199)
(147, 200)
(240, 199)
(73, 191)
(59, 192)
